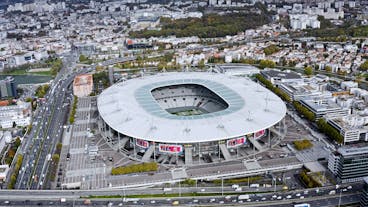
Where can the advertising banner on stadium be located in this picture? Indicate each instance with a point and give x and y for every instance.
(142, 143)
(259, 134)
(170, 148)
(235, 142)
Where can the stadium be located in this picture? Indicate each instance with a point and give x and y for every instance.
(189, 118)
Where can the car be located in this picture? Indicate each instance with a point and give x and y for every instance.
(240, 201)
(288, 196)
(297, 195)
(249, 200)
(212, 200)
(263, 199)
(195, 201)
(221, 202)
(301, 197)
(349, 187)
(153, 202)
(274, 196)
(279, 198)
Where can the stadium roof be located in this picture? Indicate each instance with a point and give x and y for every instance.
(129, 108)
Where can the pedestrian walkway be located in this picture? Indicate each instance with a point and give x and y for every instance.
(225, 152)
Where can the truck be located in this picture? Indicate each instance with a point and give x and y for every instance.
(302, 205)
(167, 189)
(130, 200)
(87, 202)
(243, 197)
(234, 186)
(255, 185)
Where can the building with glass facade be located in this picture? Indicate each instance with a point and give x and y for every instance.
(364, 195)
(349, 164)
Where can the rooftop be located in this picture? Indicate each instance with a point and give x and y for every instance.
(129, 108)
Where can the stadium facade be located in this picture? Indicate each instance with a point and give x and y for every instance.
(189, 118)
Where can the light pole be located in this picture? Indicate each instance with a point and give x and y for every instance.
(179, 188)
(222, 186)
(340, 198)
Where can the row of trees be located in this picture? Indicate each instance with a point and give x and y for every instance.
(42, 90)
(136, 168)
(54, 162)
(84, 59)
(304, 111)
(329, 130)
(271, 49)
(12, 150)
(267, 64)
(209, 26)
(13, 177)
(309, 181)
(56, 65)
(302, 144)
(274, 89)
(74, 110)
(102, 76)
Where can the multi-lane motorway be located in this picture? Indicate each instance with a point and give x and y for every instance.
(321, 198)
(48, 123)
(46, 131)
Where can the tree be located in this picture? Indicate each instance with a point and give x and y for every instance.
(28, 99)
(267, 64)
(308, 70)
(364, 66)
(201, 64)
(82, 58)
(55, 158)
(17, 142)
(328, 69)
(271, 49)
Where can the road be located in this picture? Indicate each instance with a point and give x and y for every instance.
(47, 130)
(28, 198)
(48, 122)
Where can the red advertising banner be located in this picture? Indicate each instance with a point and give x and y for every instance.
(142, 143)
(235, 142)
(169, 148)
(259, 134)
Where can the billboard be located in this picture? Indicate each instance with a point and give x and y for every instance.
(142, 143)
(170, 148)
(259, 134)
(235, 142)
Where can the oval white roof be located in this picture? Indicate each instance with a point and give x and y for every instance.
(129, 108)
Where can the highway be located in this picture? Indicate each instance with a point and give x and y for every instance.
(48, 121)
(322, 198)
(47, 129)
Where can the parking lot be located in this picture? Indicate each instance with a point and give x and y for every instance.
(86, 159)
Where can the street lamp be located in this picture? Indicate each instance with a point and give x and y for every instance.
(340, 198)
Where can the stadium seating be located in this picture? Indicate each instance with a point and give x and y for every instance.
(189, 96)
